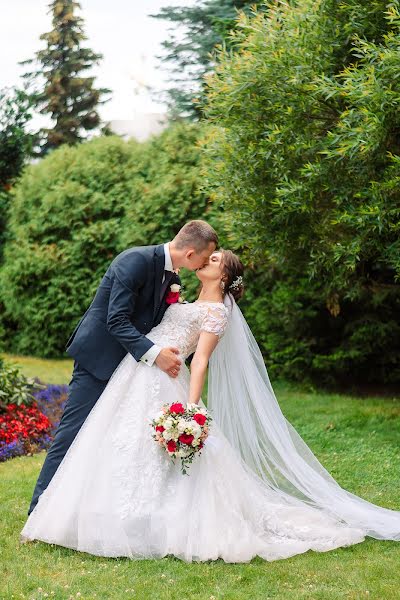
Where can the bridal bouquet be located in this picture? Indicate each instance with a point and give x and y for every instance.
(181, 431)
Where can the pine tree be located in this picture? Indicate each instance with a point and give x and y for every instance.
(67, 96)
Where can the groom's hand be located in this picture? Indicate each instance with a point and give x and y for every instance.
(168, 361)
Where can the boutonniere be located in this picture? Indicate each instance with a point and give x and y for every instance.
(174, 295)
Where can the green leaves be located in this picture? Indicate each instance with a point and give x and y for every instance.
(74, 211)
(64, 229)
(15, 141)
(15, 388)
(306, 141)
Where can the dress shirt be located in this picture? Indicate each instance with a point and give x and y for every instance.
(150, 356)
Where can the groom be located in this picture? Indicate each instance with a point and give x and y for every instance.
(129, 302)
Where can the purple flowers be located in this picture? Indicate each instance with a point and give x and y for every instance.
(10, 450)
(51, 402)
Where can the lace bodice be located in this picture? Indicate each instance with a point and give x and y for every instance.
(182, 324)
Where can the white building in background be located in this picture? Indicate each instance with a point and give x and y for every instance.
(141, 127)
(144, 117)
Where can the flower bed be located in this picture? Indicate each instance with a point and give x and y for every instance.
(26, 429)
(51, 401)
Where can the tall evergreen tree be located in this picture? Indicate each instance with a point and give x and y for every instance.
(67, 96)
(190, 56)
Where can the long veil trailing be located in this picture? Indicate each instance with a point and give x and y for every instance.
(243, 404)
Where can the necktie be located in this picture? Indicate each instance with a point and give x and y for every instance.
(164, 285)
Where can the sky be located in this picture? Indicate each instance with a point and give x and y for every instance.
(120, 30)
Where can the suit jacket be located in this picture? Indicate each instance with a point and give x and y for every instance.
(125, 307)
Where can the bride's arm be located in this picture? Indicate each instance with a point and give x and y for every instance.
(198, 367)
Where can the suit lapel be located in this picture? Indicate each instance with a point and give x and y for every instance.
(159, 264)
(163, 305)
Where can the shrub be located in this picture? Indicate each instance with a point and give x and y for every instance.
(304, 156)
(15, 388)
(65, 227)
(72, 213)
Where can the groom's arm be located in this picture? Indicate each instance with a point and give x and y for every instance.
(150, 356)
(126, 282)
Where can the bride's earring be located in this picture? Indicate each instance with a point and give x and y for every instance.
(222, 285)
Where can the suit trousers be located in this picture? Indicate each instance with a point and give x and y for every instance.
(83, 392)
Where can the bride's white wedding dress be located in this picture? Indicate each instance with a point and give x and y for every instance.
(117, 493)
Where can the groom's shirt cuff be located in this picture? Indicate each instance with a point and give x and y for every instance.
(150, 356)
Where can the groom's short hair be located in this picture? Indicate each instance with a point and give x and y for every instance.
(197, 234)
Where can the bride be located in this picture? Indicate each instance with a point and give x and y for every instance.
(256, 489)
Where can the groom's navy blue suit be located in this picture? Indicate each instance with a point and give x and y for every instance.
(126, 306)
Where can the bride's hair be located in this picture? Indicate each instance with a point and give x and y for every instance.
(233, 270)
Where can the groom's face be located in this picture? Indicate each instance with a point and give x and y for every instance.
(196, 260)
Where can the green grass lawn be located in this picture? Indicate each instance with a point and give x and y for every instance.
(49, 371)
(357, 440)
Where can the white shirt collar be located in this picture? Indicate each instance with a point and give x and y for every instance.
(168, 262)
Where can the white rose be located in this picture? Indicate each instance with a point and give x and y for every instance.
(169, 423)
(182, 425)
(195, 428)
(175, 287)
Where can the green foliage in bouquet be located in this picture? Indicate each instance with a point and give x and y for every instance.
(304, 155)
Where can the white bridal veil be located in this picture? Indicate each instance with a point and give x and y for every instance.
(243, 404)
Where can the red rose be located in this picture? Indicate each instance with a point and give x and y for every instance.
(160, 428)
(177, 408)
(200, 419)
(186, 438)
(172, 297)
(171, 445)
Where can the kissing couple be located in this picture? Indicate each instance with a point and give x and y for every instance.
(108, 489)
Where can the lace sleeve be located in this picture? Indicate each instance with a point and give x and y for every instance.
(215, 320)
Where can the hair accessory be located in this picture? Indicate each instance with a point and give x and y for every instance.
(236, 283)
